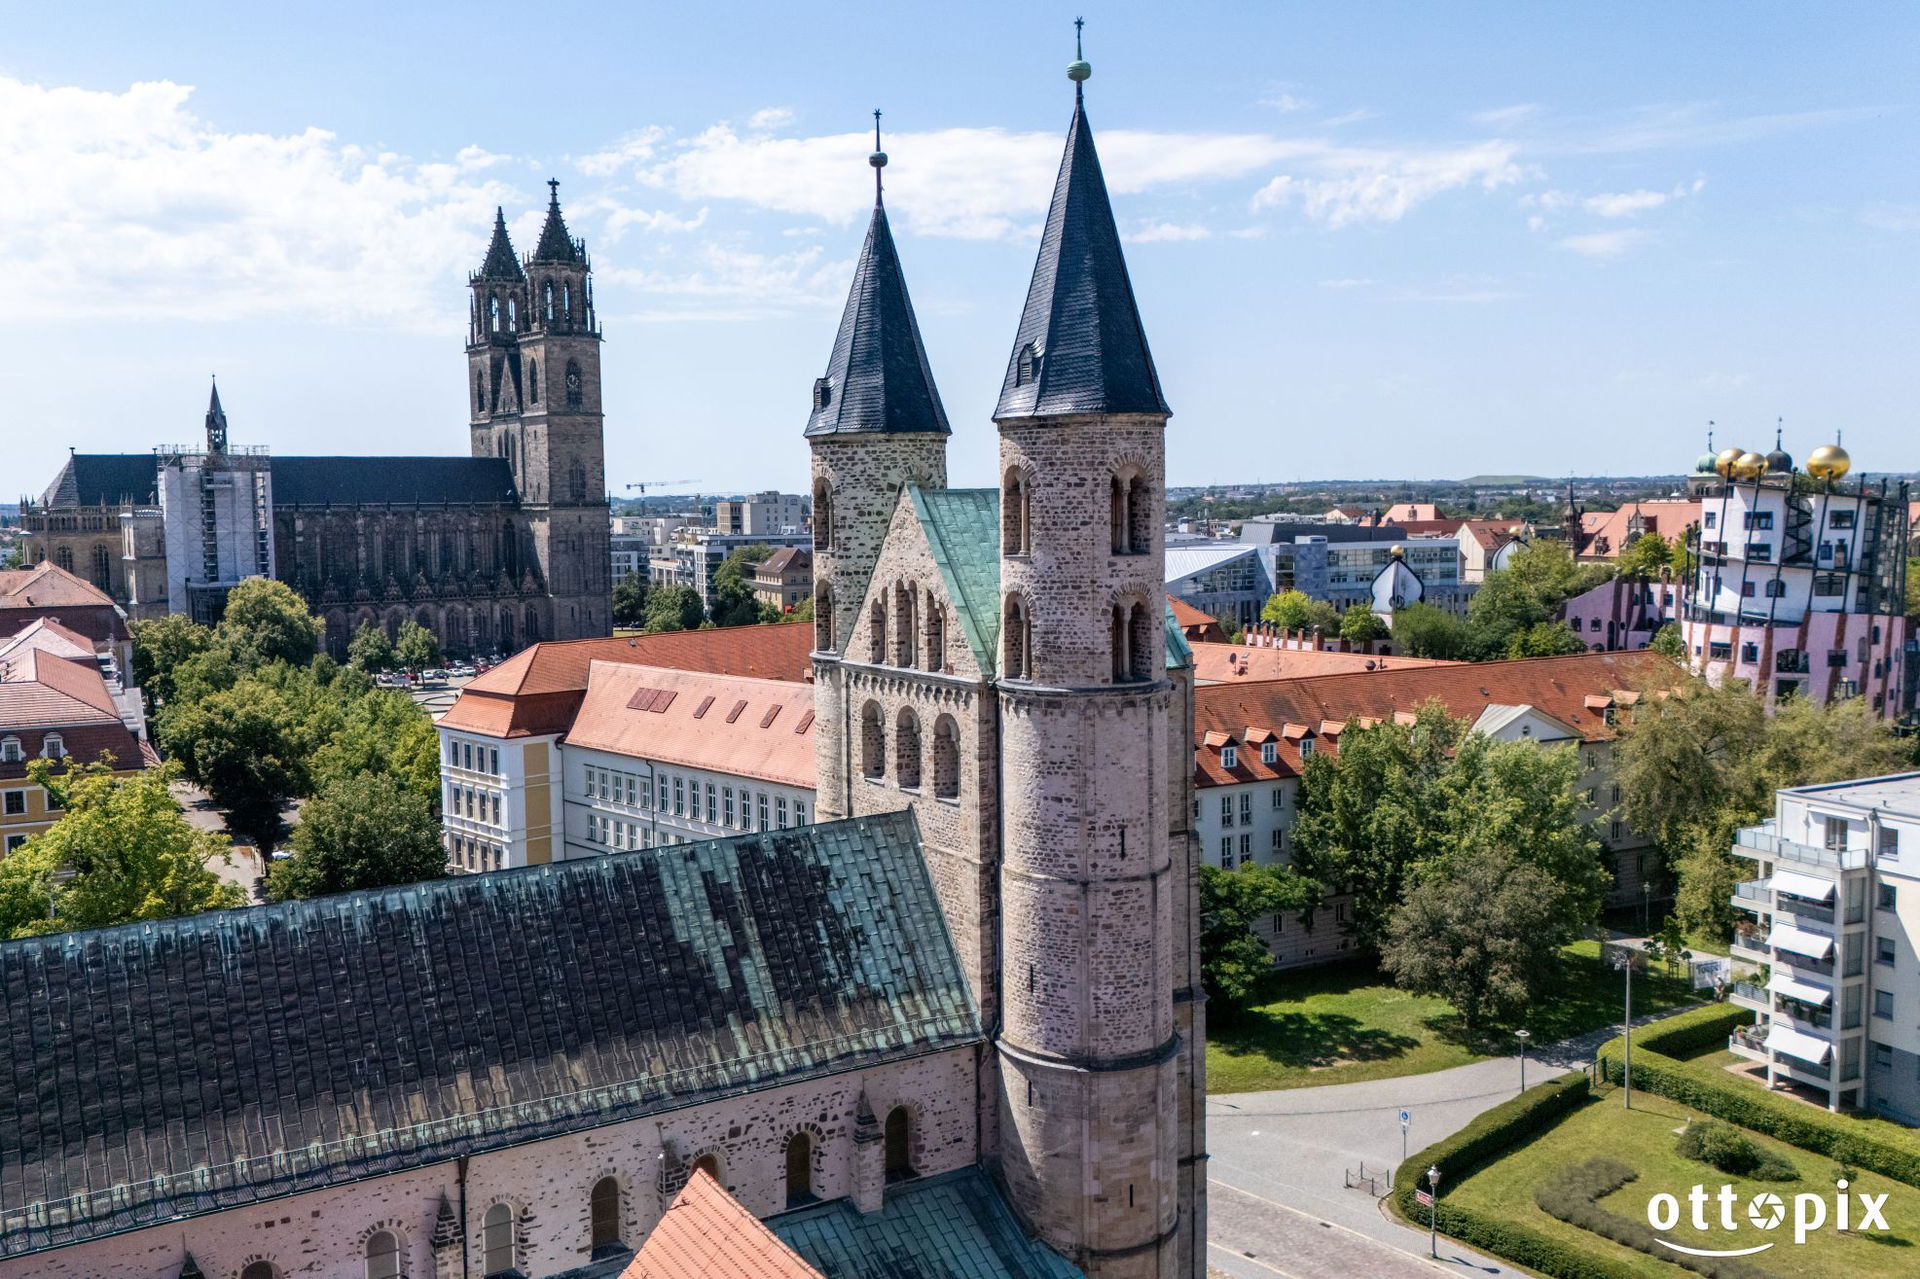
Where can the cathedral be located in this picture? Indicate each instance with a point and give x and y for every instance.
(502, 548)
(954, 1028)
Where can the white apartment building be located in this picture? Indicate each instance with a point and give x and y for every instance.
(1835, 919)
(762, 515)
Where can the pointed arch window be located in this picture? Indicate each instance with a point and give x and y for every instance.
(906, 750)
(103, 569)
(906, 629)
(566, 300)
(1013, 514)
(1016, 640)
(936, 634)
(549, 300)
(533, 381)
(63, 558)
(479, 391)
(799, 1170)
(873, 742)
(383, 1255)
(899, 1132)
(823, 617)
(946, 758)
(603, 1207)
(822, 515)
(498, 1250)
(1142, 650)
(493, 313)
(877, 631)
(513, 316)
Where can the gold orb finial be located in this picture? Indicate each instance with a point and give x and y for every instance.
(1749, 465)
(1724, 460)
(1829, 462)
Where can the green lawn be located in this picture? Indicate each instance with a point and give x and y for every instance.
(1343, 1024)
(1643, 1139)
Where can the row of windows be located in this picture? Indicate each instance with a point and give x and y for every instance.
(1276, 800)
(1276, 840)
(740, 809)
(476, 805)
(52, 746)
(1269, 754)
(477, 854)
(907, 750)
(474, 757)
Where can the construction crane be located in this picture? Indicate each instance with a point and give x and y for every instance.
(644, 485)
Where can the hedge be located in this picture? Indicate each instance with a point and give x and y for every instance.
(1694, 1031)
(1480, 1143)
(1573, 1196)
(1875, 1145)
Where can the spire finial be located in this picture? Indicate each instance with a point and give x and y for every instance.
(878, 159)
(553, 192)
(1079, 69)
(1779, 429)
(1709, 435)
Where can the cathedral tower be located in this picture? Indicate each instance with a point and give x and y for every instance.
(877, 425)
(533, 353)
(1095, 1051)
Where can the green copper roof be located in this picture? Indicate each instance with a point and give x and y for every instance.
(963, 528)
(1179, 655)
(954, 1226)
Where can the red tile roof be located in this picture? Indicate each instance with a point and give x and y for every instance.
(706, 1234)
(42, 693)
(1576, 690)
(756, 727)
(1194, 623)
(1667, 518)
(48, 636)
(47, 591)
(1237, 663)
(538, 690)
(1493, 534)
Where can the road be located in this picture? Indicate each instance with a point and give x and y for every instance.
(1277, 1199)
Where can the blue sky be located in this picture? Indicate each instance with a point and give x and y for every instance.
(1390, 239)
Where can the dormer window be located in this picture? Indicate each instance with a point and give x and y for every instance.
(1027, 367)
(1306, 747)
(1269, 752)
(822, 393)
(10, 750)
(1229, 757)
(55, 747)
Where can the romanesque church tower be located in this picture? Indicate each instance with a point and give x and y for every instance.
(533, 355)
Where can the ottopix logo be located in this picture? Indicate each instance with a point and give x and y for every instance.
(1764, 1211)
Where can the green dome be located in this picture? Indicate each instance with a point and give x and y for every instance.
(1705, 465)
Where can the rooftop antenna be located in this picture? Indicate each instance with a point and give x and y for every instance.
(1079, 69)
(878, 159)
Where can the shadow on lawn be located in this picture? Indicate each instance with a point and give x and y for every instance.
(1887, 1241)
(1306, 1040)
(1590, 995)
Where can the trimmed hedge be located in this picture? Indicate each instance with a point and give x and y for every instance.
(1875, 1145)
(1694, 1031)
(1480, 1143)
(1573, 1197)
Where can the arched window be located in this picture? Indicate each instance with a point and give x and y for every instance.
(946, 758)
(1016, 640)
(576, 394)
(823, 617)
(383, 1255)
(822, 515)
(873, 741)
(102, 569)
(604, 1207)
(1122, 639)
(1143, 649)
(1139, 516)
(877, 631)
(493, 314)
(498, 1253)
(1117, 515)
(258, 1270)
(533, 381)
(1013, 515)
(480, 395)
(577, 481)
(799, 1170)
(899, 1144)
(63, 558)
(936, 634)
(566, 300)
(549, 292)
(709, 1164)
(513, 317)
(906, 749)
(533, 626)
(906, 632)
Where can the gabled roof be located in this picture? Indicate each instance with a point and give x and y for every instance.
(758, 728)
(878, 378)
(555, 244)
(1185, 561)
(706, 1232)
(300, 1045)
(47, 586)
(397, 481)
(1219, 663)
(963, 532)
(104, 479)
(48, 636)
(951, 1226)
(501, 262)
(44, 690)
(1080, 347)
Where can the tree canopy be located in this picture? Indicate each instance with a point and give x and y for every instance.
(1421, 630)
(266, 618)
(1529, 593)
(630, 601)
(734, 603)
(364, 830)
(1298, 611)
(674, 608)
(1232, 956)
(415, 647)
(1359, 625)
(370, 650)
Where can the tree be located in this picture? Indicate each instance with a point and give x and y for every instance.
(1645, 558)
(1360, 626)
(734, 603)
(247, 746)
(1232, 956)
(416, 647)
(382, 733)
(1298, 611)
(366, 830)
(1545, 639)
(268, 621)
(1482, 936)
(370, 649)
(1539, 578)
(131, 853)
(674, 608)
(1667, 643)
(163, 645)
(630, 601)
(1421, 630)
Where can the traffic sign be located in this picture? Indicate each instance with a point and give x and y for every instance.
(1406, 1117)
(1422, 1198)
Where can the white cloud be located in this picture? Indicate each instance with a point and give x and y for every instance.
(1624, 204)
(770, 118)
(632, 149)
(1286, 102)
(716, 269)
(1359, 185)
(620, 221)
(1606, 244)
(128, 204)
(1886, 216)
(1349, 117)
(1502, 117)
(1152, 232)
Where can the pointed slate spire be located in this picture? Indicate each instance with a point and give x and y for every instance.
(555, 244)
(878, 378)
(501, 264)
(216, 423)
(190, 1269)
(1081, 347)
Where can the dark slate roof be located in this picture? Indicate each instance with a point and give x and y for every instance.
(89, 479)
(963, 532)
(555, 244)
(1080, 317)
(501, 263)
(186, 1066)
(878, 378)
(953, 1226)
(399, 481)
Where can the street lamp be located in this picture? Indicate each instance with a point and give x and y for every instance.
(1433, 1211)
(1626, 1030)
(1646, 907)
(1523, 1036)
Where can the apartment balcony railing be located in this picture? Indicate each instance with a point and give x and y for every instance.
(1804, 1014)
(1757, 891)
(1753, 994)
(1805, 909)
(1762, 841)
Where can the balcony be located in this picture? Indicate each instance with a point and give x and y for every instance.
(1754, 894)
(1762, 841)
(1805, 909)
(1748, 995)
(1752, 945)
(1750, 1042)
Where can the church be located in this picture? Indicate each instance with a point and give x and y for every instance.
(505, 547)
(953, 1028)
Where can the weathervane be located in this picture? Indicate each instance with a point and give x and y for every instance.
(1079, 69)
(878, 159)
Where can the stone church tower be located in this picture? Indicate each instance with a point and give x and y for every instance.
(533, 356)
(999, 661)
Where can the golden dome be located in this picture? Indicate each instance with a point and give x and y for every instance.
(1724, 462)
(1828, 462)
(1749, 465)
